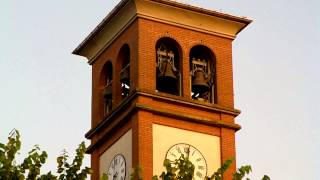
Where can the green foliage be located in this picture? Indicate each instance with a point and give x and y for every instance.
(179, 169)
(136, 174)
(104, 176)
(30, 168)
(265, 177)
(8, 167)
(34, 162)
(73, 171)
(183, 169)
(242, 172)
(219, 173)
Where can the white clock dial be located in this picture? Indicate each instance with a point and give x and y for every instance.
(193, 154)
(117, 169)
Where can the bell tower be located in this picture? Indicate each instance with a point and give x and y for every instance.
(162, 86)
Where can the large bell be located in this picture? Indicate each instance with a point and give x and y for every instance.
(125, 75)
(107, 92)
(166, 72)
(199, 83)
(166, 79)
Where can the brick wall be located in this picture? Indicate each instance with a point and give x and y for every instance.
(129, 36)
(142, 36)
(151, 31)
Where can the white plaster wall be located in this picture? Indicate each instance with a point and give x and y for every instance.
(122, 146)
(164, 137)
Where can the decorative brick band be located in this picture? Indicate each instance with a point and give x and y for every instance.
(125, 109)
(210, 122)
(169, 98)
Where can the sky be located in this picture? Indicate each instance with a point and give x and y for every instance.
(45, 91)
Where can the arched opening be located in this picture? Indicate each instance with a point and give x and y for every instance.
(124, 60)
(202, 72)
(168, 75)
(106, 81)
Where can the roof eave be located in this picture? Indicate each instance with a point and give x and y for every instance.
(114, 11)
(122, 4)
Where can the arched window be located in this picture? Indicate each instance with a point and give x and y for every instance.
(168, 76)
(124, 60)
(202, 71)
(106, 81)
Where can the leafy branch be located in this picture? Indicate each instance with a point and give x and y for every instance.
(30, 168)
(183, 169)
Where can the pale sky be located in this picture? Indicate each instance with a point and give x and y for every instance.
(45, 91)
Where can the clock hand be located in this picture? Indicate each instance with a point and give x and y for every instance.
(115, 176)
(188, 152)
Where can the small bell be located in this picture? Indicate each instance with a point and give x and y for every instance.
(200, 82)
(166, 72)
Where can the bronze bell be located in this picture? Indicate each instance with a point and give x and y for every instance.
(125, 75)
(107, 92)
(199, 83)
(166, 72)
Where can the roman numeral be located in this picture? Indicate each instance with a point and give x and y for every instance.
(178, 149)
(172, 154)
(199, 174)
(112, 165)
(186, 150)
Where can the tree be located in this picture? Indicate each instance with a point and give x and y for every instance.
(30, 168)
(180, 168)
(183, 169)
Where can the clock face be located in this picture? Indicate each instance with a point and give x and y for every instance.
(117, 168)
(193, 154)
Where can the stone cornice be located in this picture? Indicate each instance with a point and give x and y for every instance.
(164, 11)
(129, 106)
(191, 118)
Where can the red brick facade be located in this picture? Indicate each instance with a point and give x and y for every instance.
(145, 106)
